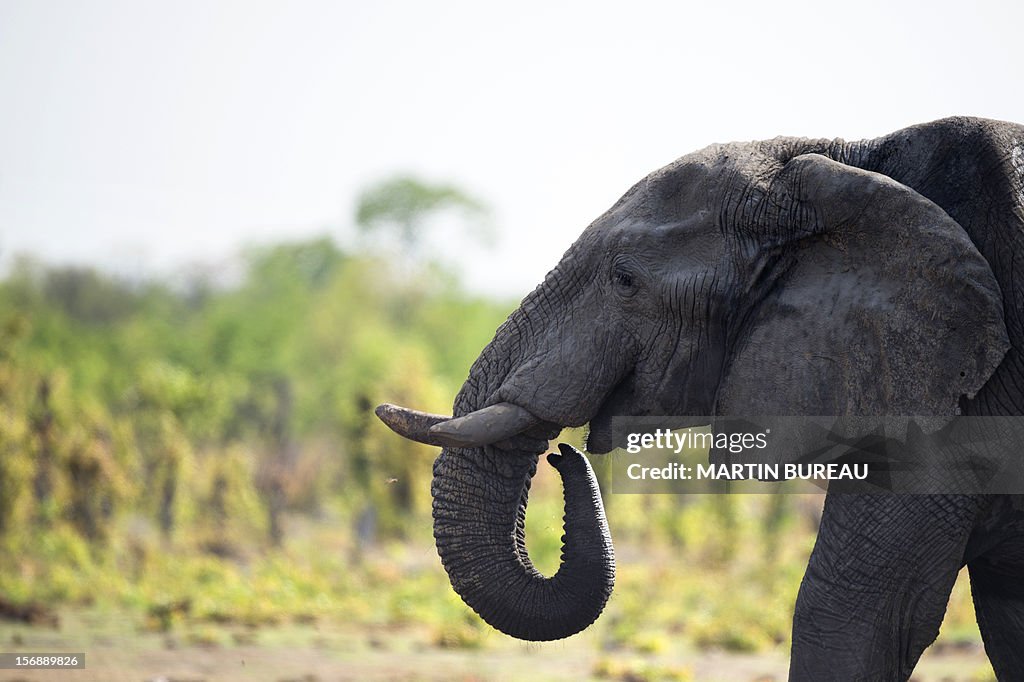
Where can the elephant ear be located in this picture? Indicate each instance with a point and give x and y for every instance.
(876, 303)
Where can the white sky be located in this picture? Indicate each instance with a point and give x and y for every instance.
(144, 135)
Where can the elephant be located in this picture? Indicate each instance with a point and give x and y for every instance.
(791, 276)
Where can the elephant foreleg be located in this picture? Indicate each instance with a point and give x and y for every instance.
(995, 559)
(877, 584)
(999, 605)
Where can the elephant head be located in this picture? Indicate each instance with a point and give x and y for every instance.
(785, 277)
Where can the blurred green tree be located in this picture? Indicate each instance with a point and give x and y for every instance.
(401, 207)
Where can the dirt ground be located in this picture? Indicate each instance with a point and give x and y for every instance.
(116, 650)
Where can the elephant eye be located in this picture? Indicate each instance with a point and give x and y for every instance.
(622, 277)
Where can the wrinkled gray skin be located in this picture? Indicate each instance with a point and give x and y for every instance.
(784, 277)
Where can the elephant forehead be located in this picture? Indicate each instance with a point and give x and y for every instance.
(693, 235)
(703, 179)
(681, 202)
(685, 183)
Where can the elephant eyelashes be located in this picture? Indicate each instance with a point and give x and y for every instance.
(623, 279)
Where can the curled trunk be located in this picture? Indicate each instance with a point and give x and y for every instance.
(480, 498)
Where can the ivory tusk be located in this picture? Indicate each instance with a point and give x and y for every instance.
(483, 427)
(411, 424)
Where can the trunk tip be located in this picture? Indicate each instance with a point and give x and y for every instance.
(567, 452)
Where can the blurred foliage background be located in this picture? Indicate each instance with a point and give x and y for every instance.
(200, 458)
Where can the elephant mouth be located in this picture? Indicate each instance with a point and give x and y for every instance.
(600, 435)
(621, 401)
